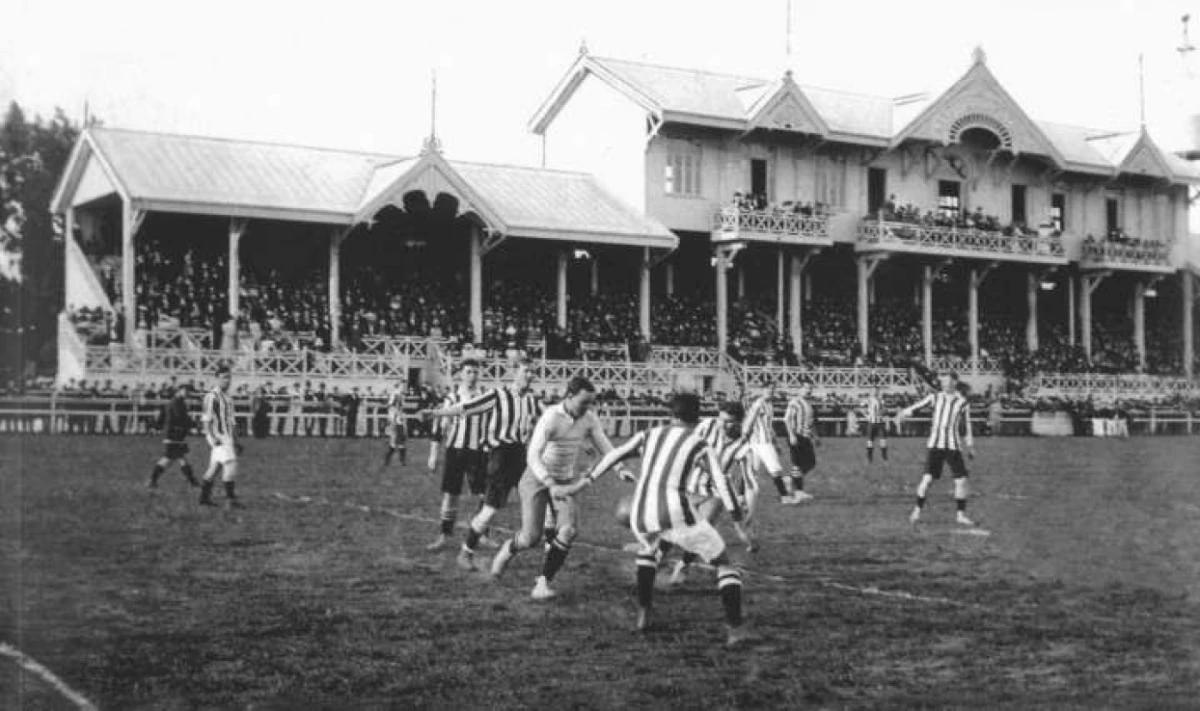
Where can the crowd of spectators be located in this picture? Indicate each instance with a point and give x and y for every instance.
(954, 218)
(758, 202)
(1117, 243)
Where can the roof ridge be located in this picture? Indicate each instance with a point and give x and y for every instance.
(247, 141)
(534, 168)
(709, 72)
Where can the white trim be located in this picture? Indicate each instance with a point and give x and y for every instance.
(250, 211)
(33, 666)
(569, 235)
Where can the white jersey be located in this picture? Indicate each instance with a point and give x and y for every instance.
(557, 440)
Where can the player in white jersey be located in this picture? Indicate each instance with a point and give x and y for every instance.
(760, 430)
(663, 514)
(949, 434)
(800, 421)
(220, 431)
(397, 426)
(873, 411)
(561, 431)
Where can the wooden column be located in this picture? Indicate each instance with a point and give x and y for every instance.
(1189, 300)
(237, 228)
(1072, 285)
(796, 306)
(973, 313)
(562, 288)
(927, 313)
(128, 257)
(724, 262)
(335, 285)
(1139, 322)
(780, 299)
(1032, 284)
(476, 295)
(644, 294)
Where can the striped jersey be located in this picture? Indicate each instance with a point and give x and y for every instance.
(218, 415)
(511, 414)
(759, 426)
(395, 405)
(731, 455)
(672, 456)
(951, 420)
(873, 408)
(799, 418)
(466, 431)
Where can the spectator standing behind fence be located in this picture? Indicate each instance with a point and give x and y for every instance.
(260, 414)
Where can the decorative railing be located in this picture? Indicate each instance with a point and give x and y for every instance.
(904, 235)
(983, 366)
(415, 348)
(684, 357)
(1134, 253)
(826, 378)
(1104, 386)
(623, 377)
(161, 363)
(731, 223)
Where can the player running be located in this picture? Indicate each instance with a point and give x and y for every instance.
(663, 513)
(949, 431)
(220, 430)
(561, 432)
(465, 455)
(397, 427)
(175, 423)
(760, 429)
(873, 411)
(511, 412)
(800, 422)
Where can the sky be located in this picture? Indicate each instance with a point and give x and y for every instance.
(356, 75)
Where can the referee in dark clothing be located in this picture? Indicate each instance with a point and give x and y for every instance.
(175, 423)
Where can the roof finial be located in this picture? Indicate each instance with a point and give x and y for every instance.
(978, 56)
(583, 50)
(432, 144)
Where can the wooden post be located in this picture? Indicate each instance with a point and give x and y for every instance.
(927, 314)
(237, 228)
(1189, 300)
(476, 239)
(128, 286)
(780, 284)
(864, 275)
(973, 314)
(795, 308)
(723, 264)
(562, 288)
(335, 286)
(1139, 322)
(1072, 286)
(1032, 284)
(644, 293)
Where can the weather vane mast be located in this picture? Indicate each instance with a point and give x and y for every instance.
(432, 143)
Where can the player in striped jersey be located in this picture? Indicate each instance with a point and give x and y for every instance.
(873, 412)
(723, 434)
(949, 434)
(800, 420)
(511, 411)
(760, 429)
(663, 512)
(560, 433)
(397, 429)
(465, 441)
(219, 429)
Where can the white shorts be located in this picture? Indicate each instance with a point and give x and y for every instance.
(699, 538)
(768, 457)
(223, 454)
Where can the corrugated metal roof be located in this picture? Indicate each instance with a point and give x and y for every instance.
(192, 169)
(856, 114)
(1073, 143)
(542, 199)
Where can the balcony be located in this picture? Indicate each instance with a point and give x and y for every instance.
(779, 226)
(884, 236)
(1142, 255)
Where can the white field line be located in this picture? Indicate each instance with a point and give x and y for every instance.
(822, 581)
(34, 667)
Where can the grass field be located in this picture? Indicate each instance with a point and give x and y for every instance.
(320, 594)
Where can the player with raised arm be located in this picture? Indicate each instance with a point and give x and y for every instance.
(663, 513)
(175, 423)
(760, 429)
(873, 412)
(949, 434)
(466, 458)
(397, 427)
(800, 422)
(512, 410)
(561, 431)
(220, 430)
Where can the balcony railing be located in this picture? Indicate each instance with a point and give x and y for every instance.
(932, 238)
(1133, 254)
(731, 223)
(1112, 387)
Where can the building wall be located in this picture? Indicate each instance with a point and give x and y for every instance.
(601, 132)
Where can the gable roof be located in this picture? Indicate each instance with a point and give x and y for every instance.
(176, 173)
(782, 105)
(742, 103)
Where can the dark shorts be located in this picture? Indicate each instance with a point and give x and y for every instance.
(174, 450)
(469, 464)
(937, 457)
(877, 430)
(804, 456)
(506, 464)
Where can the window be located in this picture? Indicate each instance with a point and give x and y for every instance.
(948, 199)
(831, 181)
(758, 177)
(1112, 215)
(1058, 211)
(682, 174)
(876, 189)
(1018, 204)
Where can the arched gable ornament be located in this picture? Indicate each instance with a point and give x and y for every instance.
(980, 120)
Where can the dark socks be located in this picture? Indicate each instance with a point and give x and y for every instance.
(729, 582)
(189, 474)
(961, 504)
(155, 474)
(206, 491)
(647, 569)
(229, 491)
(555, 557)
(472, 539)
(779, 485)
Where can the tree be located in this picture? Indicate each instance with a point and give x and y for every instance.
(32, 157)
